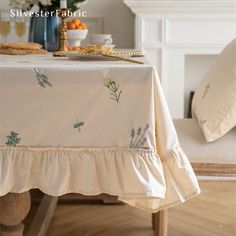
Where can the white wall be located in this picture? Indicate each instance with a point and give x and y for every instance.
(118, 19)
(3, 3)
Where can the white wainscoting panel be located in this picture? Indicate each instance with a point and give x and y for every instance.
(199, 30)
(152, 30)
(171, 31)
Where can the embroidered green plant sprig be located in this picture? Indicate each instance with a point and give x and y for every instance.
(42, 78)
(138, 138)
(114, 88)
(206, 91)
(78, 125)
(13, 139)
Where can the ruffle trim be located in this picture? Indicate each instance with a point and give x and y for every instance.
(138, 176)
(181, 184)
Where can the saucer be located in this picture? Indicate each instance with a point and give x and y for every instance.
(110, 46)
(106, 45)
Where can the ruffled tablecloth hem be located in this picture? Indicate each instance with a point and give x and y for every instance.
(138, 176)
(157, 202)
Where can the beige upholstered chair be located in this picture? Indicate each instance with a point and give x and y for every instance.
(208, 159)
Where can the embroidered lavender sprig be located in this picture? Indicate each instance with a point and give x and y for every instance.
(132, 135)
(143, 141)
(146, 129)
(114, 88)
(138, 140)
(13, 139)
(42, 78)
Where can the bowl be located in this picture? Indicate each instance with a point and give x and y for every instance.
(76, 36)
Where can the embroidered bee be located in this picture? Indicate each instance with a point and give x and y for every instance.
(78, 125)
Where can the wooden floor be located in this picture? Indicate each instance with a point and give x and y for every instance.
(213, 213)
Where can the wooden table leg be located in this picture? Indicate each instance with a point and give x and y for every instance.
(43, 216)
(160, 223)
(154, 220)
(14, 207)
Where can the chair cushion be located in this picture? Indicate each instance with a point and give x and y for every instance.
(214, 103)
(222, 151)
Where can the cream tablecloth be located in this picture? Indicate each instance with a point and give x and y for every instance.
(89, 128)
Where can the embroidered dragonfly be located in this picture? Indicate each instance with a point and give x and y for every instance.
(78, 125)
(42, 78)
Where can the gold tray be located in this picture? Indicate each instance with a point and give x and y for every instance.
(94, 55)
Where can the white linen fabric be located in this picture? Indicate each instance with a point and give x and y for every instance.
(90, 128)
(214, 102)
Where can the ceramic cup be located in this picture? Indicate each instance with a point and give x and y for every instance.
(100, 39)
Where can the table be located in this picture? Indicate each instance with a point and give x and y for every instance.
(90, 128)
